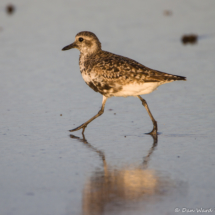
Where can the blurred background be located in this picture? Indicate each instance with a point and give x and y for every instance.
(117, 169)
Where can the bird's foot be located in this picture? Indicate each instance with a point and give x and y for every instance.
(154, 135)
(83, 126)
(154, 130)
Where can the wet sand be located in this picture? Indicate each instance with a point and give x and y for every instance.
(116, 168)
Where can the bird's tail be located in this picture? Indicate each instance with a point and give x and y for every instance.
(171, 77)
(166, 77)
(179, 78)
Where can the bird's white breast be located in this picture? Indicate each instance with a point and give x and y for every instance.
(87, 78)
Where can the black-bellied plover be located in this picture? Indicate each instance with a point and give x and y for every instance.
(115, 75)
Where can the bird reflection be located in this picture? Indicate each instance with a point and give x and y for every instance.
(112, 189)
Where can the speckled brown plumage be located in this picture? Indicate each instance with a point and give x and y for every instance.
(111, 72)
(115, 75)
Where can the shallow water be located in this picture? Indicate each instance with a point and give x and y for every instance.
(116, 168)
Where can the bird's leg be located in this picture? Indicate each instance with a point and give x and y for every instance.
(84, 125)
(155, 128)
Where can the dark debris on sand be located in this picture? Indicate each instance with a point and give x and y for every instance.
(167, 12)
(10, 9)
(190, 38)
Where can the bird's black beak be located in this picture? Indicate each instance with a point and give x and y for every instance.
(71, 46)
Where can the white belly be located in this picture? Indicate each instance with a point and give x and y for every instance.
(135, 89)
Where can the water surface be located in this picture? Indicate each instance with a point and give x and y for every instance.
(116, 168)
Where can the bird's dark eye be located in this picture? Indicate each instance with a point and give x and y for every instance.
(80, 39)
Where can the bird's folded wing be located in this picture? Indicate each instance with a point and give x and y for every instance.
(126, 69)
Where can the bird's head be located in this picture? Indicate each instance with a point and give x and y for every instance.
(86, 42)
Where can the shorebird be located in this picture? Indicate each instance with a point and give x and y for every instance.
(115, 75)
